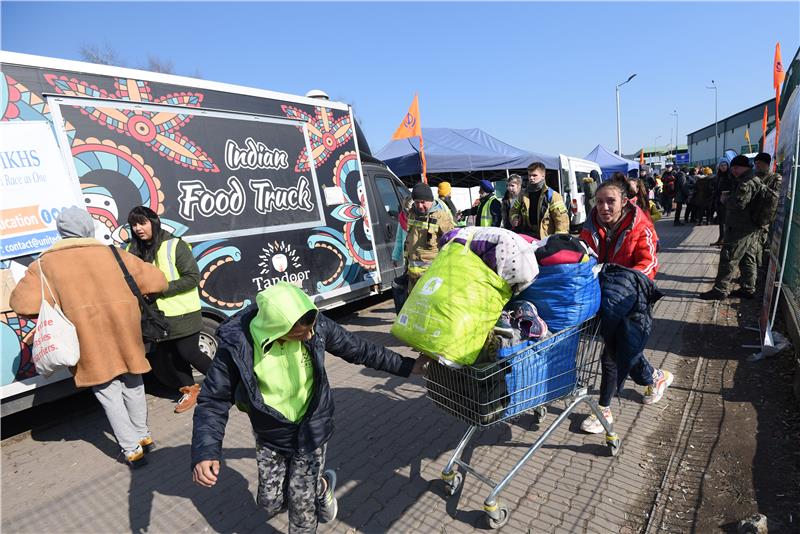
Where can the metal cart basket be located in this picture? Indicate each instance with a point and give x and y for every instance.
(524, 379)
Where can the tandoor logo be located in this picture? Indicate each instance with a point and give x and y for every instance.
(431, 286)
(279, 262)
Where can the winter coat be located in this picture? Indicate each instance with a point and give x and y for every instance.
(495, 211)
(635, 245)
(553, 216)
(424, 232)
(89, 286)
(231, 379)
(703, 190)
(589, 190)
(627, 297)
(448, 201)
(739, 206)
(682, 188)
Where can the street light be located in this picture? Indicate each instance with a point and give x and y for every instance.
(655, 145)
(675, 113)
(716, 134)
(619, 135)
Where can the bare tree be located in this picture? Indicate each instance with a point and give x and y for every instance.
(157, 64)
(104, 55)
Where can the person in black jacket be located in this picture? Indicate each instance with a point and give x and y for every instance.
(270, 363)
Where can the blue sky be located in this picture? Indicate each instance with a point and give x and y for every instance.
(540, 76)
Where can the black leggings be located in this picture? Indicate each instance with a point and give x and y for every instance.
(173, 360)
(641, 373)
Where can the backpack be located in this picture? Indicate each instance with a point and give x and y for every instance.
(669, 187)
(764, 205)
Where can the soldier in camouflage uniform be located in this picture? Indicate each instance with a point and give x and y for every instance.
(742, 235)
(773, 181)
(271, 364)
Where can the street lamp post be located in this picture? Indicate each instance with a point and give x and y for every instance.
(716, 122)
(655, 144)
(675, 113)
(619, 134)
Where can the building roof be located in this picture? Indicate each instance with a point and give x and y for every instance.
(736, 120)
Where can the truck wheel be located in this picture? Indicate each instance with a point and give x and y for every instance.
(208, 339)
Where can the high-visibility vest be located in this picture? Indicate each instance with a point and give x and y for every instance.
(182, 303)
(485, 218)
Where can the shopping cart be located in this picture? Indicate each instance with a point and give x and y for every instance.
(524, 379)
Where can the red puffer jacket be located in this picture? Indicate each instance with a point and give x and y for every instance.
(635, 244)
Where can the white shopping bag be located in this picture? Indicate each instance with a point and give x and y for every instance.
(55, 344)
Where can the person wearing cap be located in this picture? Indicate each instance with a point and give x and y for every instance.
(540, 212)
(445, 190)
(741, 235)
(723, 182)
(428, 221)
(489, 209)
(773, 182)
(86, 280)
(271, 364)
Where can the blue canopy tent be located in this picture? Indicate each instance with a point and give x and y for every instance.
(610, 162)
(462, 157)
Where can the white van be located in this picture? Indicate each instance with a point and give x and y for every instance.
(571, 173)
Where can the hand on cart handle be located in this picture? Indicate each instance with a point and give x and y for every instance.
(421, 365)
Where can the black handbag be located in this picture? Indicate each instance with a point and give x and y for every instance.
(155, 326)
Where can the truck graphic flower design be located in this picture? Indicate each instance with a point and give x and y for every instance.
(325, 134)
(18, 103)
(157, 130)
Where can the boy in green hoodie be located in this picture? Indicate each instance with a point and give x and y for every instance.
(270, 362)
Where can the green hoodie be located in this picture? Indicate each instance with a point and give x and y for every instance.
(284, 369)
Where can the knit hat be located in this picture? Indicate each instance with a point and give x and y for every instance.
(75, 222)
(487, 186)
(707, 171)
(741, 161)
(422, 191)
(724, 160)
(763, 156)
(444, 189)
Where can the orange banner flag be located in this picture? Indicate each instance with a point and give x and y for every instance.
(777, 73)
(412, 127)
(641, 157)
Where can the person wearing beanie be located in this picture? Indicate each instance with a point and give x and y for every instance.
(723, 181)
(444, 190)
(541, 211)
(271, 364)
(489, 209)
(94, 296)
(773, 182)
(428, 221)
(742, 235)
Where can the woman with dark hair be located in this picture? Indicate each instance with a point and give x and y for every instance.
(621, 233)
(723, 184)
(175, 356)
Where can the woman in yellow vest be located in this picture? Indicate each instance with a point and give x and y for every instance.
(174, 357)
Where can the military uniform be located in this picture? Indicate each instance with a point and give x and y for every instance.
(551, 214)
(773, 181)
(742, 236)
(422, 241)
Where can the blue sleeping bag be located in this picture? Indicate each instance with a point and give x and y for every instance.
(565, 295)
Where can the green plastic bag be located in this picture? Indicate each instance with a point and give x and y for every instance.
(453, 307)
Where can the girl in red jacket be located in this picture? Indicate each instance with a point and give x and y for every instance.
(621, 233)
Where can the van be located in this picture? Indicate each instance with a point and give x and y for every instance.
(571, 173)
(264, 186)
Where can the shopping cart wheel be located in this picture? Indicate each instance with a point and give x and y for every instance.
(497, 518)
(540, 412)
(613, 444)
(454, 484)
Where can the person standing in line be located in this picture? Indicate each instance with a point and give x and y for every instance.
(540, 212)
(691, 212)
(681, 195)
(445, 191)
(513, 190)
(742, 236)
(175, 356)
(589, 186)
(83, 276)
(668, 192)
(489, 210)
(772, 181)
(428, 221)
(723, 182)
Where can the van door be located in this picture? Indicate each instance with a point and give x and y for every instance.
(387, 199)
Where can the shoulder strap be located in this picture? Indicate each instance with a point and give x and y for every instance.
(128, 278)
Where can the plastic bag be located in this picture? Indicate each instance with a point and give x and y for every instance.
(55, 344)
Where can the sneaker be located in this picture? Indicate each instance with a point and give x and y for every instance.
(661, 381)
(147, 444)
(743, 293)
(136, 459)
(328, 505)
(189, 398)
(713, 294)
(503, 326)
(592, 424)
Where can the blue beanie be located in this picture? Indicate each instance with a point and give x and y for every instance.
(487, 186)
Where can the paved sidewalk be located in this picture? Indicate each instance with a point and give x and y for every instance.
(388, 450)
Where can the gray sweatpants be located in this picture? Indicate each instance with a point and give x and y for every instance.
(290, 482)
(126, 409)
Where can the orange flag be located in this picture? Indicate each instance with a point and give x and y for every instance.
(412, 127)
(778, 74)
(641, 157)
(747, 138)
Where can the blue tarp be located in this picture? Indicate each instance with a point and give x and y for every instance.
(610, 162)
(449, 150)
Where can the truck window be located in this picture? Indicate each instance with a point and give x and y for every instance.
(579, 176)
(388, 195)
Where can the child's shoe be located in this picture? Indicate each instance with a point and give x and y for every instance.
(328, 505)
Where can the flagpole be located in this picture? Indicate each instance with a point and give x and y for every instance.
(422, 157)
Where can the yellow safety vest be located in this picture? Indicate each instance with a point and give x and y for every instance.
(486, 212)
(182, 303)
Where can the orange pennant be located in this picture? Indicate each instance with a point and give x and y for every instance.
(778, 73)
(641, 157)
(410, 127)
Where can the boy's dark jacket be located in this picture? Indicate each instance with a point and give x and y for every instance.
(231, 379)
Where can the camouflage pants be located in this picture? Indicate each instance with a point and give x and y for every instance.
(739, 253)
(290, 482)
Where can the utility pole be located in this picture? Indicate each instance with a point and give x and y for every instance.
(716, 122)
(675, 113)
(619, 134)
